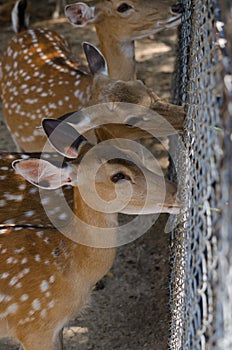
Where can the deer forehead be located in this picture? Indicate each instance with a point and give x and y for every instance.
(141, 18)
(124, 166)
(102, 170)
(141, 6)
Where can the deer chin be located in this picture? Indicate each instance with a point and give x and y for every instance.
(160, 25)
(159, 209)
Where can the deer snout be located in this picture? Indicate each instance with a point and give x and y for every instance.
(177, 8)
(171, 200)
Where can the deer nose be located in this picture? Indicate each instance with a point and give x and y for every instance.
(178, 8)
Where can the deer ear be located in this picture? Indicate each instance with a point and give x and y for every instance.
(79, 14)
(63, 137)
(96, 61)
(19, 17)
(43, 174)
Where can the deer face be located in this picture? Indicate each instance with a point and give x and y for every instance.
(136, 19)
(127, 20)
(110, 176)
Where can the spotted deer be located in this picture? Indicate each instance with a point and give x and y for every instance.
(118, 24)
(119, 109)
(6, 7)
(39, 70)
(24, 199)
(108, 97)
(106, 89)
(37, 265)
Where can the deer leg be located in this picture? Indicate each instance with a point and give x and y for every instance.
(59, 6)
(58, 343)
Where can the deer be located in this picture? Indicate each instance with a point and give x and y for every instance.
(58, 8)
(7, 6)
(106, 90)
(108, 97)
(37, 264)
(39, 65)
(118, 24)
(23, 198)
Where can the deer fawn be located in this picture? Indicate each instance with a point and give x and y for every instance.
(118, 24)
(105, 89)
(7, 6)
(38, 264)
(24, 199)
(107, 92)
(38, 65)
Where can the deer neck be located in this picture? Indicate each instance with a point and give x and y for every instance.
(95, 261)
(120, 56)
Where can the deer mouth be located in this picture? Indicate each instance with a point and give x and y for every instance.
(171, 22)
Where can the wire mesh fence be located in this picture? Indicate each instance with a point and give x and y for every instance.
(201, 278)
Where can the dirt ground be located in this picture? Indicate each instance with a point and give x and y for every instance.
(132, 311)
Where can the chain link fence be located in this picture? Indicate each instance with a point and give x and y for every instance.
(201, 275)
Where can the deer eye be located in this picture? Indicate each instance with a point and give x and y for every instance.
(119, 176)
(124, 7)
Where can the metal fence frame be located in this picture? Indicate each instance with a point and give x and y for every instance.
(201, 265)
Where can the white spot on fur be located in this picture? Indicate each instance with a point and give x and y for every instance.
(13, 281)
(43, 313)
(11, 197)
(11, 260)
(47, 240)
(44, 286)
(63, 216)
(40, 234)
(24, 297)
(4, 297)
(2, 203)
(36, 304)
(37, 258)
(29, 213)
(4, 275)
(12, 309)
(52, 279)
(51, 304)
(18, 251)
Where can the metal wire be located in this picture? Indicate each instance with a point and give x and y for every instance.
(201, 298)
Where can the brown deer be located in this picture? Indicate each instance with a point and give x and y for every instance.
(23, 198)
(37, 265)
(118, 24)
(38, 64)
(6, 7)
(106, 89)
